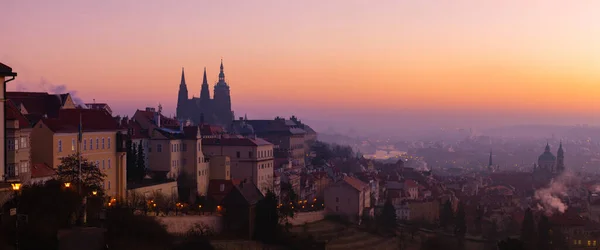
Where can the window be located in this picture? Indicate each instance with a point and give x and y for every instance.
(10, 144)
(237, 154)
(97, 163)
(91, 143)
(103, 166)
(72, 144)
(337, 209)
(222, 188)
(97, 143)
(159, 148)
(16, 144)
(250, 154)
(108, 163)
(102, 143)
(109, 185)
(199, 147)
(84, 145)
(109, 142)
(183, 161)
(23, 142)
(184, 149)
(59, 146)
(199, 160)
(24, 167)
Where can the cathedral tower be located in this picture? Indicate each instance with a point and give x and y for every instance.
(204, 91)
(182, 98)
(222, 99)
(560, 159)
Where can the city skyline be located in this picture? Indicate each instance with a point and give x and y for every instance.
(465, 60)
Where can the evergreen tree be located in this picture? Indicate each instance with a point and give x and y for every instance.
(132, 172)
(388, 217)
(543, 233)
(528, 227)
(446, 215)
(460, 228)
(141, 162)
(267, 218)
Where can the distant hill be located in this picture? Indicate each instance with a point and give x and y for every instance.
(545, 131)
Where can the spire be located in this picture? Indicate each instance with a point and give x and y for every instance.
(204, 92)
(182, 77)
(547, 147)
(222, 73)
(490, 163)
(560, 149)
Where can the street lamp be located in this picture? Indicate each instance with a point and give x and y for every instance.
(16, 186)
(67, 184)
(94, 193)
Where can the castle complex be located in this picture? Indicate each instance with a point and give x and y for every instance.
(203, 109)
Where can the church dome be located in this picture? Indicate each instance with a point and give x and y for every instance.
(547, 156)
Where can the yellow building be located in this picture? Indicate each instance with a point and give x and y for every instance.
(220, 167)
(6, 75)
(54, 138)
(18, 130)
(251, 158)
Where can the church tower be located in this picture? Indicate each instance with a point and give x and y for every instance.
(222, 99)
(560, 159)
(204, 92)
(182, 98)
(490, 163)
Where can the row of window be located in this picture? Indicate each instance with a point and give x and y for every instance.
(589, 243)
(178, 147)
(261, 154)
(15, 169)
(104, 165)
(106, 185)
(85, 144)
(16, 143)
(266, 165)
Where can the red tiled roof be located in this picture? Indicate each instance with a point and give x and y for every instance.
(41, 170)
(13, 113)
(135, 130)
(410, 184)
(214, 189)
(40, 103)
(207, 129)
(235, 141)
(355, 183)
(164, 121)
(91, 120)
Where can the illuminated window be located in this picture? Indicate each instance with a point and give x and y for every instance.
(72, 144)
(589, 243)
(594, 243)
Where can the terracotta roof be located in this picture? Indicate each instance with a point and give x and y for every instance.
(41, 170)
(355, 183)
(214, 189)
(164, 121)
(92, 120)
(410, 184)
(136, 131)
(6, 71)
(13, 113)
(39, 103)
(235, 141)
(207, 129)
(250, 192)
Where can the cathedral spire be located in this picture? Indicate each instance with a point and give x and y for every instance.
(547, 147)
(222, 73)
(204, 92)
(182, 77)
(490, 163)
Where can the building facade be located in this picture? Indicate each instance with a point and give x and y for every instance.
(55, 138)
(349, 197)
(251, 159)
(18, 153)
(204, 109)
(6, 75)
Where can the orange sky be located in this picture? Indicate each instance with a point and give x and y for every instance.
(312, 58)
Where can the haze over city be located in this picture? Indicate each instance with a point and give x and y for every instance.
(341, 64)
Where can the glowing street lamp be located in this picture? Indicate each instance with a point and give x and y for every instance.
(67, 184)
(94, 193)
(16, 186)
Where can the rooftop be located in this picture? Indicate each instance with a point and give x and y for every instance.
(92, 120)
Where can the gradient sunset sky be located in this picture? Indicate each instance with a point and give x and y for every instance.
(521, 61)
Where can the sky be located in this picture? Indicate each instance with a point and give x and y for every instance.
(364, 64)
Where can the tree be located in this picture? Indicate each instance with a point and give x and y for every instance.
(528, 227)
(91, 176)
(124, 230)
(460, 227)
(267, 218)
(141, 162)
(131, 160)
(196, 238)
(387, 218)
(511, 244)
(446, 215)
(543, 233)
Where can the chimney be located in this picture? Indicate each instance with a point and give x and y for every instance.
(157, 119)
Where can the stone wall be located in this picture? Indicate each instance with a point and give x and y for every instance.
(181, 224)
(308, 217)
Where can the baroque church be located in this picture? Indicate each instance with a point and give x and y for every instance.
(548, 165)
(203, 109)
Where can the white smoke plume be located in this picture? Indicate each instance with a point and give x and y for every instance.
(44, 85)
(550, 198)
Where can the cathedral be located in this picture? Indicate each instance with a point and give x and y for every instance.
(548, 165)
(203, 109)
